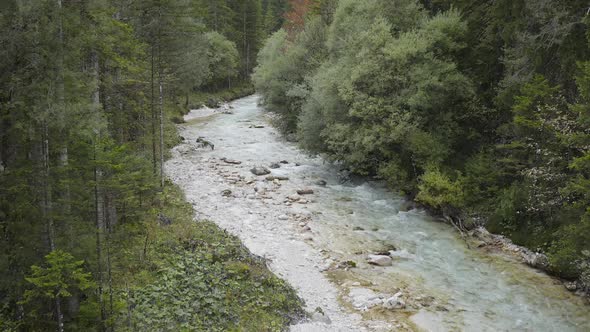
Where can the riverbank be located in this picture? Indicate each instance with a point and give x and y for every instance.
(319, 243)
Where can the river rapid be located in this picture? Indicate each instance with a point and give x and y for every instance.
(312, 240)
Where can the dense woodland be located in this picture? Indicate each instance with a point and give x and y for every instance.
(479, 110)
(92, 236)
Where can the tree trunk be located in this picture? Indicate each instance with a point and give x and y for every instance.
(60, 316)
(153, 109)
(161, 100)
(161, 132)
(98, 195)
(110, 220)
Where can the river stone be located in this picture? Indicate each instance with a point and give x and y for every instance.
(260, 170)
(231, 161)
(379, 260)
(280, 178)
(320, 317)
(283, 217)
(283, 162)
(226, 193)
(274, 165)
(537, 260)
(306, 191)
(364, 299)
(321, 183)
(394, 302)
(294, 198)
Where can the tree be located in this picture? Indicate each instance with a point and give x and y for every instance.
(59, 279)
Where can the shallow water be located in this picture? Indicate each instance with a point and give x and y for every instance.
(471, 289)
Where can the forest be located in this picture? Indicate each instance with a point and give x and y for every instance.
(92, 235)
(477, 110)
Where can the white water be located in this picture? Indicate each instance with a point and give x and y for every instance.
(447, 286)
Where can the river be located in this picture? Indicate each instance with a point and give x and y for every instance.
(445, 285)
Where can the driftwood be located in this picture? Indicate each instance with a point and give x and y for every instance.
(459, 226)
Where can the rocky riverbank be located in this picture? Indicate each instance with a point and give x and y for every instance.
(359, 257)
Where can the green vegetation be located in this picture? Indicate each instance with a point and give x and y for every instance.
(92, 236)
(196, 277)
(477, 109)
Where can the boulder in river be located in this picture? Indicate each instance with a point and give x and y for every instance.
(274, 165)
(226, 193)
(364, 299)
(379, 260)
(321, 183)
(537, 260)
(279, 178)
(283, 162)
(319, 316)
(231, 161)
(394, 302)
(306, 191)
(260, 170)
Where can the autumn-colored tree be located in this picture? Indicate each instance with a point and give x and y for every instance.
(295, 17)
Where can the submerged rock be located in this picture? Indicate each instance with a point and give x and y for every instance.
(260, 170)
(364, 299)
(319, 316)
(394, 302)
(226, 193)
(321, 183)
(379, 260)
(274, 165)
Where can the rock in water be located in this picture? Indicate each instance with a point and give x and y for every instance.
(394, 302)
(321, 183)
(364, 299)
(537, 260)
(283, 217)
(231, 161)
(283, 162)
(380, 260)
(260, 170)
(226, 193)
(320, 317)
(280, 178)
(305, 191)
(274, 165)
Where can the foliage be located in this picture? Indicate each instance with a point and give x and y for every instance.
(440, 192)
(477, 109)
(61, 277)
(88, 93)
